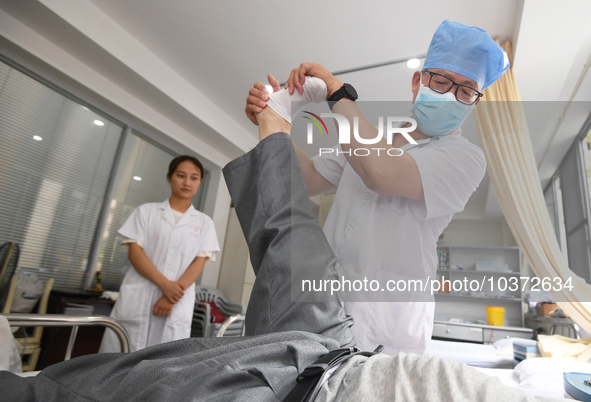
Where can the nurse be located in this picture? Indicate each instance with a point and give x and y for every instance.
(389, 211)
(169, 244)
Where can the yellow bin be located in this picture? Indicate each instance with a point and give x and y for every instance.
(495, 315)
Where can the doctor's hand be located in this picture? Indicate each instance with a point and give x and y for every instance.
(258, 97)
(173, 291)
(163, 307)
(298, 76)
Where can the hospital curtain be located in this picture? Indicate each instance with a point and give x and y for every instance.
(505, 140)
(326, 201)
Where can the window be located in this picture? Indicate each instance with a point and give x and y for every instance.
(572, 191)
(69, 178)
(568, 197)
(561, 229)
(56, 158)
(550, 199)
(587, 158)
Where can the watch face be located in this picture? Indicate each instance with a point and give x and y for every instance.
(351, 92)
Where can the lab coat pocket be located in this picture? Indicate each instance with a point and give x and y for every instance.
(132, 310)
(132, 303)
(179, 322)
(401, 315)
(182, 312)
(391, 203)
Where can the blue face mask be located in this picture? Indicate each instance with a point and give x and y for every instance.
(438, 114)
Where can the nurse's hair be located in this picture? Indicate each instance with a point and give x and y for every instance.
(180, 159)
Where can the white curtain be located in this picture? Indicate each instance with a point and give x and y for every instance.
(505, 140)
(326, 201)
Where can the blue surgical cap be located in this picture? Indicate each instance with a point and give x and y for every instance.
(468, 51)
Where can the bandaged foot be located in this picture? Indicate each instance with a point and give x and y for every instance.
(281, 101)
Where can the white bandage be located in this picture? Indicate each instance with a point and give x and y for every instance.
(280, 101)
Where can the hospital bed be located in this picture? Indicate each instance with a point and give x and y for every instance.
(499, 354)
(540, 376)
(535, 376)
(74, 321)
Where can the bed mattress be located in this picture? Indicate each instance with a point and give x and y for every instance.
(496, 355)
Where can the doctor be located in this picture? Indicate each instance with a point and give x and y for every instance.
(389, 211)
(169, 243)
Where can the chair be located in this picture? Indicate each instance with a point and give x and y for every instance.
(229, 321)
(570, 330)
(9, 254)
(30, 344)
(202, 315)
(207, 293)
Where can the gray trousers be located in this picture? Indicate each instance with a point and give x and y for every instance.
(284, 337)
(286, 244)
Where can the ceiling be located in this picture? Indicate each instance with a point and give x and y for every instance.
(184, 67)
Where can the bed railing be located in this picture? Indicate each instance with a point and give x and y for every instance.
(236, 317)
(74, 321)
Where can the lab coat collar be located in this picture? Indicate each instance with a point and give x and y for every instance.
(454, 135)
(166, 213)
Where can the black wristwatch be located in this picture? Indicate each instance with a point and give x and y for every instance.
(346, 91)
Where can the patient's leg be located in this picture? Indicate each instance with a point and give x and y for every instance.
(411, 377)
(284, 239)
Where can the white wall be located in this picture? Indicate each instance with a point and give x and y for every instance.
(233, 261)
(236, 278)
(477, 233)
(218, 203)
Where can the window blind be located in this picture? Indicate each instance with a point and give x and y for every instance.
(55, 160)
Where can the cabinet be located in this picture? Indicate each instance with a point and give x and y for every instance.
(485, 334)
(477, 277)
(55, 339)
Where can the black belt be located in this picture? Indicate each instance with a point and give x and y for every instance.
(308, 379)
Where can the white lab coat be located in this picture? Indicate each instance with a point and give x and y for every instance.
(389, 237)
(171, 247)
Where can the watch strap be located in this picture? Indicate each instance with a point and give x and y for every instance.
(338, 95)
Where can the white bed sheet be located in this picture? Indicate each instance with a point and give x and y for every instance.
(539, 376)
(496, 355)
(507, 376)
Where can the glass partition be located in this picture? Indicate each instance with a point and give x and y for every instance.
(56, 158)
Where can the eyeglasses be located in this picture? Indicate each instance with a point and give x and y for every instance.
(441, 84)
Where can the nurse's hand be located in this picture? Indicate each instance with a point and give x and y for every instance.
(258, 97)
(163, 307)
(173, 291)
